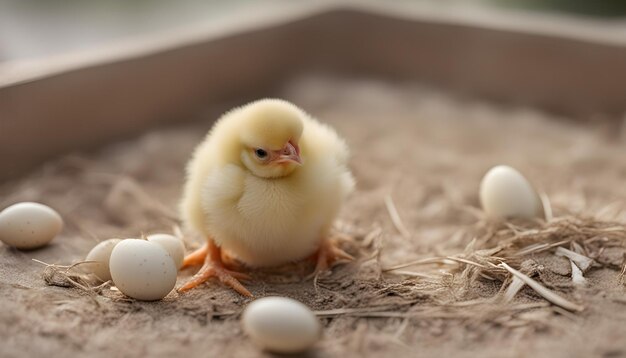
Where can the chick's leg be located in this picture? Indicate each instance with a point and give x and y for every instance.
(213, 267)
(328, 255)
(197, 257)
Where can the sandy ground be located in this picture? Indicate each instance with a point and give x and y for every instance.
(425, 149)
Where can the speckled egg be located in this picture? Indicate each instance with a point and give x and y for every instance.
(281, 325)
(29, 225)
(173, 245)
(100, 256)
(142, 269)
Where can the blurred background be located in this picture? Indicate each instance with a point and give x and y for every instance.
(99, 71)
(37, 28)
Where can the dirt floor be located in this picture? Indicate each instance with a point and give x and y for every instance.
(423, 150)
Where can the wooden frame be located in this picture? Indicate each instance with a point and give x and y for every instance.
(57, 105)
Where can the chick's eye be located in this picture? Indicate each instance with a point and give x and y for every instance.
(260, 153)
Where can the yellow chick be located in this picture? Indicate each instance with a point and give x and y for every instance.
(264, 188)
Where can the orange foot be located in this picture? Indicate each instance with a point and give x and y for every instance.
(213, 267)
(327, 256)
(197, 257)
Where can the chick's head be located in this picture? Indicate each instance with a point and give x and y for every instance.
(270, 134)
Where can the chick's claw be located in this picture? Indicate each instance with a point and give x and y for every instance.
(327, 256)
(225, 276)
(213, 267)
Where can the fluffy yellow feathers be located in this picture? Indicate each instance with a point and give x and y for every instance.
(265, 185)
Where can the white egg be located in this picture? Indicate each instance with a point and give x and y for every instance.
(29, 225)
(173, 245)
(101, 254)
(281, 325)
(142, 270)
(506, 194)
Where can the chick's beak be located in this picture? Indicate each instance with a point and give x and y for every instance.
(289, 154)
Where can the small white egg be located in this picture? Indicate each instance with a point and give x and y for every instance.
(29, 225)
(173, 245)
(506, 194)
(281, 325)
(101, 254)
(142, 270)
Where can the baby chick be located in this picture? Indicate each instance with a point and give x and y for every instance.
(264, 188)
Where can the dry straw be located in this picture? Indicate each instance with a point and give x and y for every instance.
(507, 252)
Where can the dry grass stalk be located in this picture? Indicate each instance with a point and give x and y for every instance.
(547, 206)
(369, 239)
(516, 285)
(62, 276)
(427, 261)
(543, 291)
(540, 247)
(359, 310)
(459, 312)
(583, 262)
(577, 275)
(414, 274)
(395, 217)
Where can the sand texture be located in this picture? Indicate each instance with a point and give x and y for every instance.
(423, 150)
